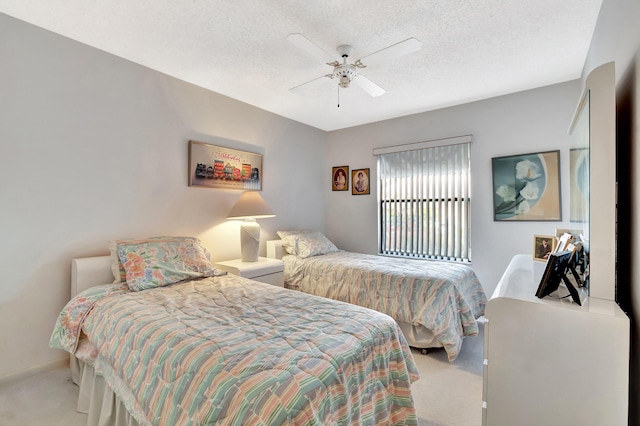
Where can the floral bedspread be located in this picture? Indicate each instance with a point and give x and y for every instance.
(444, 297)
(228, 350)
(68, 328)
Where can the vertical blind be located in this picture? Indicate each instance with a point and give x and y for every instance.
(424, 200)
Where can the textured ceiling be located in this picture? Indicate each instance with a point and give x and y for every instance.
(471, 49)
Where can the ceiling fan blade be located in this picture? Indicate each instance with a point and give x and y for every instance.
(405, 47)
(296, 88)
(368, 86)
(307, 45)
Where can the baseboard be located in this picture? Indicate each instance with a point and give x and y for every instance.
(23, 374)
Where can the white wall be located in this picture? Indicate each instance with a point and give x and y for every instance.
(531, 121)
(93, 148)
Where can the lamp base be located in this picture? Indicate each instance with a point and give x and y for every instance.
(249, 240)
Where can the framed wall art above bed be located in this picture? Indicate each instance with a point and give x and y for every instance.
(212, 166)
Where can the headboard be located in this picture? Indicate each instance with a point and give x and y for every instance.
(87, 272)
(275, 249)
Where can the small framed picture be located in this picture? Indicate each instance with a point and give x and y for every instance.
(360, 182)
(340, 178)
(543, 246)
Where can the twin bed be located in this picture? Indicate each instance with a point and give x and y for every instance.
(435, 303)
(222, 349)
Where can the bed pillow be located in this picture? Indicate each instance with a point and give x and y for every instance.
(306, 243)
(119, 274)
(159, 261)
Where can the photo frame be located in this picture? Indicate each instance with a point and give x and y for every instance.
(543, 246)
(212, 166)
(564, 241)
(360, 182)
(555, 272)
(526, 187)
(340, 178)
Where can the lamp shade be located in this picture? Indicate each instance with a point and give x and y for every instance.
(250, 205)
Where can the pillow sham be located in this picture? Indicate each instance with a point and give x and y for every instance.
(119, 274)
(159, 261)
(306, 243)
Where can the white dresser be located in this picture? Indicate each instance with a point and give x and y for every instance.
(552, 362)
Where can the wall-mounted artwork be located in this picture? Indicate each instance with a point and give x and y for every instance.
(212, 166)
(360, 182)
(340, 178)
(527, 187)
(543, 246)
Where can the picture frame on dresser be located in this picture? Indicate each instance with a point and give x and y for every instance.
(558, 265)
(543, 246)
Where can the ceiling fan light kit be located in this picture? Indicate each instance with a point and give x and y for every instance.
(346, 73)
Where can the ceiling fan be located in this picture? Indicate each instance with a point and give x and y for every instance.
(347, 73)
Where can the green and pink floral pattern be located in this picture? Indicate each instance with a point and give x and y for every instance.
(66, 332)
(158, 262)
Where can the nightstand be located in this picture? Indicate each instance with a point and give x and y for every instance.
(266, 270)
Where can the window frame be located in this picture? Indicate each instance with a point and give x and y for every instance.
(425, 241)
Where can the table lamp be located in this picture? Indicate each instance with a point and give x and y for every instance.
(250, 206)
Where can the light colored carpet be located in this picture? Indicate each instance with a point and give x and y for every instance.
(447, 394)
(450, 394)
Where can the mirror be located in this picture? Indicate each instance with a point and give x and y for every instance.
(593, 178)
(579, 184)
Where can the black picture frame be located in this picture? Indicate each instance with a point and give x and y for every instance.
(554, 273)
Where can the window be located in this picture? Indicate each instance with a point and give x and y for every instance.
(424, 200)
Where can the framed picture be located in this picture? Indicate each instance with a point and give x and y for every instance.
(360, 182)
(564, 242)
(574, 232)
(212, 166)
(556, 271)
(527, 187)
(543, 246)
(340, 178)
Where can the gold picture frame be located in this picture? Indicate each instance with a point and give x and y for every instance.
(543, 246)
(360, 182)
(340, 178)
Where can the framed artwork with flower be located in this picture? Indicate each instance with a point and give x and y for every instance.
(526, 187)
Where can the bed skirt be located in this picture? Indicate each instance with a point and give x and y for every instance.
(96, 398)
(418, 336)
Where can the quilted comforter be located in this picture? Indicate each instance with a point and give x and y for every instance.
(445, 297)
(227, 350)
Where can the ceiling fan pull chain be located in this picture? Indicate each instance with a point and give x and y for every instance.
(338, 86)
